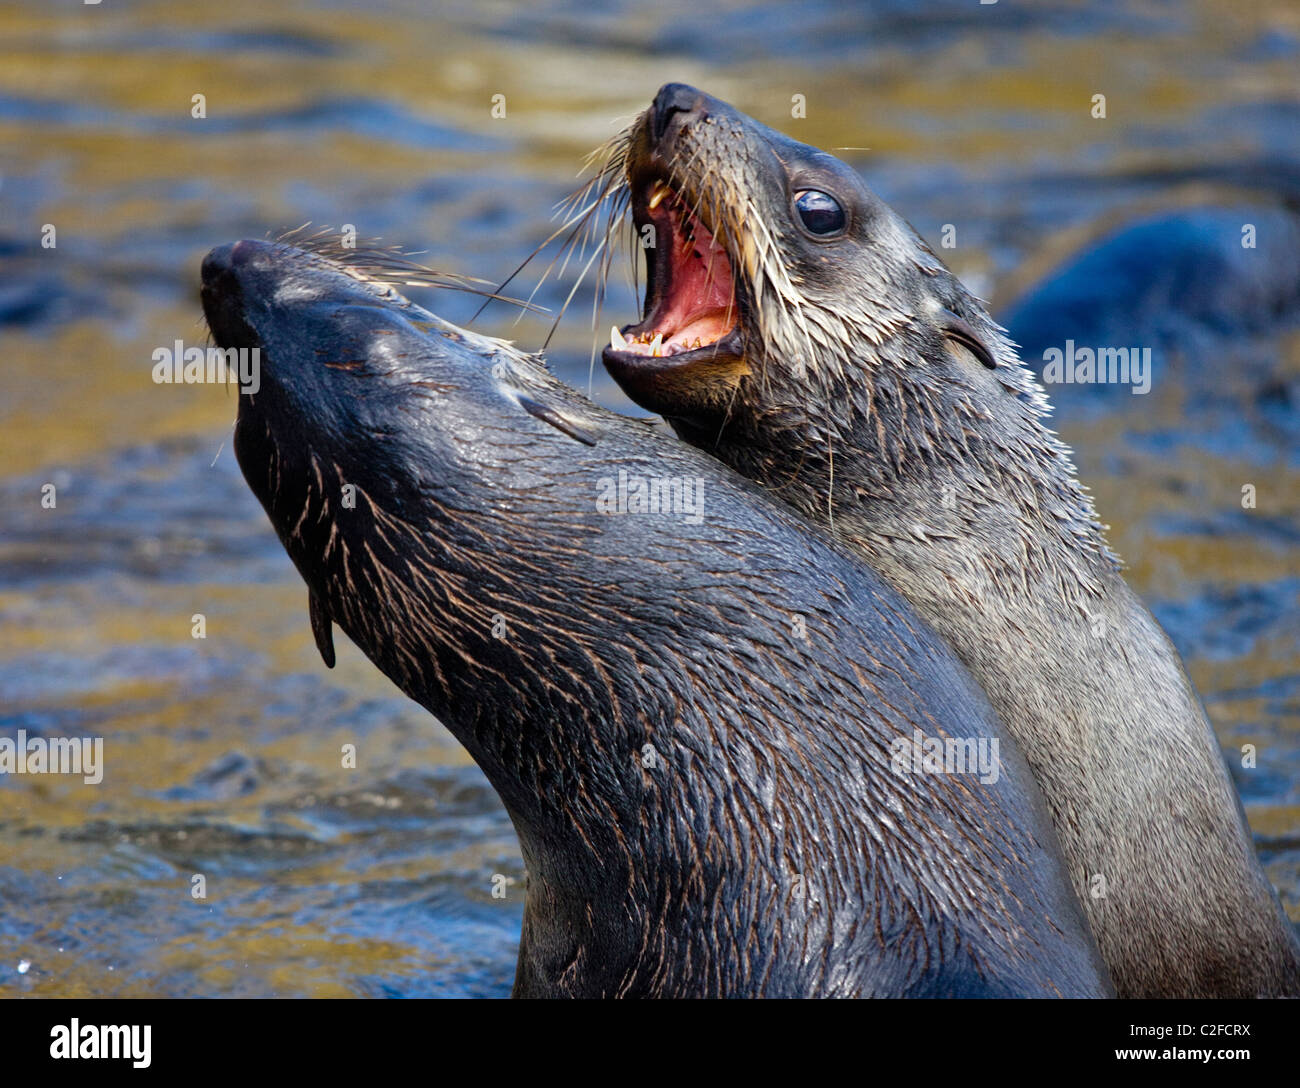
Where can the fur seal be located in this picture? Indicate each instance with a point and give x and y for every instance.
(799, 330)
(708, 803)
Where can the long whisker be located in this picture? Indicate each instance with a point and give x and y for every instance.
(572, 244)
(388, 264)
(584, 230)
(537, 249)
(607, 163)
(618, 209)
(581, 276)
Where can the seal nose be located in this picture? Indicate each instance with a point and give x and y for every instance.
(225, 259)
(672, 99)
(217, 263)
(222, 294)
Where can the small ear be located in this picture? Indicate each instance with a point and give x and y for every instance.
(560, 422)
(956, 328)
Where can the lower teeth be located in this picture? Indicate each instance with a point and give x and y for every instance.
(653, 343)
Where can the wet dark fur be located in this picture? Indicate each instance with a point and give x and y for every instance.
(861, 403)
(673, 757)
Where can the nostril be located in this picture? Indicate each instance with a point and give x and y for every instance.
(672, 99)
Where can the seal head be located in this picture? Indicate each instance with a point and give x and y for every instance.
(749, 236)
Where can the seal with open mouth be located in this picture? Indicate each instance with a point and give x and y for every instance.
(712, 772)
(799, 330)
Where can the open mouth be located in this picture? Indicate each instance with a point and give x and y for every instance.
(691, 307)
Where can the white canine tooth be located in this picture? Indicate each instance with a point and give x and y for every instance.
(616, 340)
(657, 344)
(661, 191)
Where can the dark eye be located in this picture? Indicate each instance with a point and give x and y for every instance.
(820, 212)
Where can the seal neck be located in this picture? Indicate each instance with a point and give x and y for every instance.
(914, 454)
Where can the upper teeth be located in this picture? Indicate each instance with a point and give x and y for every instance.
(660, 191)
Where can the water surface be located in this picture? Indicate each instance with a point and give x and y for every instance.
(224, 753)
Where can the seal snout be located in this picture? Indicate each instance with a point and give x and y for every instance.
(221, 268)
(232, 257)
(222, 292)
(217, 262)
(690, 341)
(672, 99)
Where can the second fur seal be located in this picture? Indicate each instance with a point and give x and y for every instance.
(799, 330)
(710, 768)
